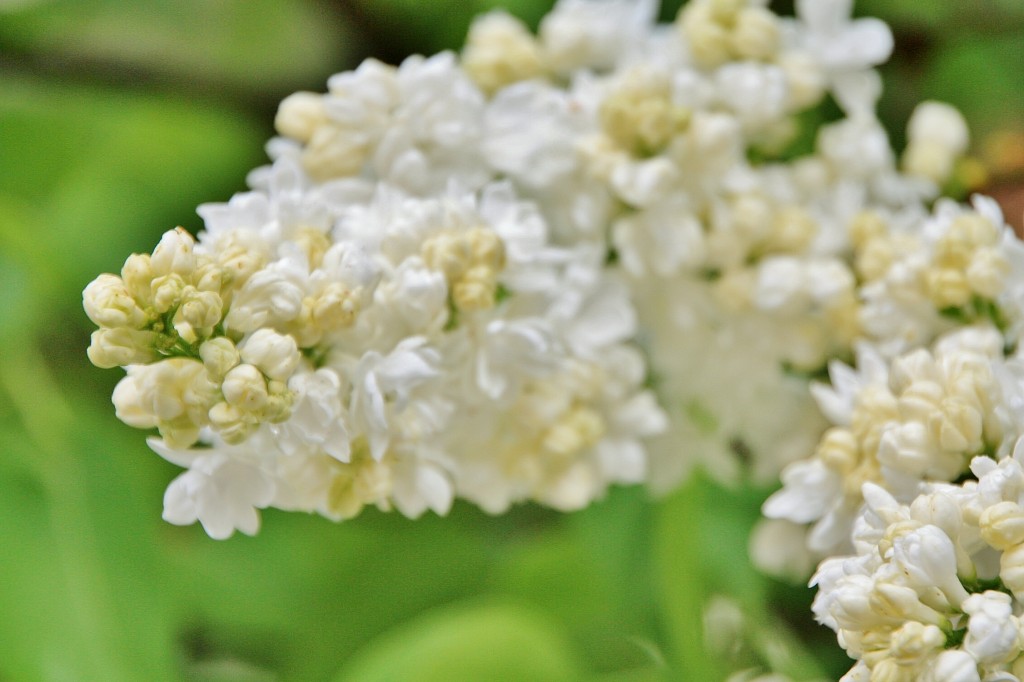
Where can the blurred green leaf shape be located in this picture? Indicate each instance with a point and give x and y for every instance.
(442, 24)
(481, 641)
(252, 44)
(983, 76)
(88, 175)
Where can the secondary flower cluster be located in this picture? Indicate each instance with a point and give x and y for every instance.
(342, 344)
(602, 254)
(935, 589)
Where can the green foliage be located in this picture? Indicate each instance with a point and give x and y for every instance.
(253, 44)
(500, 642)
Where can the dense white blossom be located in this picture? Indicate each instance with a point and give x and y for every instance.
(558, 262)
(933, 591)
(607, 254)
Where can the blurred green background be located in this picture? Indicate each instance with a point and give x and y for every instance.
(116, 119)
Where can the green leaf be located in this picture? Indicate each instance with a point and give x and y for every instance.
(980, 75)
(682, 584)
(468, 642)
(591, 570)
(931, 13)
(255, 44)
(88, 176)
(701, 550)
(78, 566)
(430, 27)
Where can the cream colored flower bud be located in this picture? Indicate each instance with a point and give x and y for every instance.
(121, 347)
(1017, 668)
(865, 226)
(916, 374)
(173, 394)
(928, 160)
(888, 670)
(233, 424)
(948, 288)
(752, 216)
(900, 602)
(792, 230)
(500, 51)
(450, 253)
(200, 309)
(208, 276)
(978, 229)
(333, 152)
(805, 78)
(1002, 525)
(279, 404)
(335, 308)
(988, 272)
(137, 274)
(1011, 570)
(958, 427)
(130, 404)
(707, 39)
(276, 355)
(238, 264)
(725, 11)
(219, 355)
(174, 254)
(180, 434)
(755, 34)
(579, 429)
(245, 387)
(914, 641)
(108, 303)
(299, 115)
(873, 258)
(839, 449)
(476, 289)
(487, 248)
(939, 124)
(167, 292)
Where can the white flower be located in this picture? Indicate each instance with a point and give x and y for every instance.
(843, 47)
(954, 666)
(319, 418)
(926, 555)
(581, 34)
(993, 632)
(382, 385)
(221, 493)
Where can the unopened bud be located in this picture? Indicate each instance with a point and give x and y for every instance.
(137, 274)
(245, 387)
(233, 424)
(1011, 570)
(299, 115)
(167, 292)
(174, 255)
(755, 35)
(121, 347)
(277, 355)
(108, 303)
(201, 309)
(219, 355)
(1002, 525)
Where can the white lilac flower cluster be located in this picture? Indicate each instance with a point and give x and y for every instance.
(935, 590)
(601, 254)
